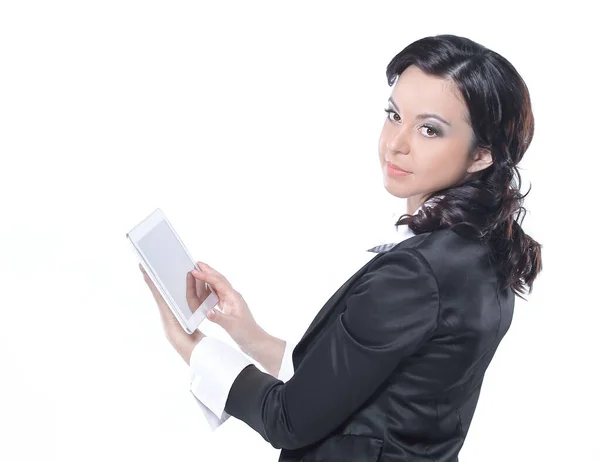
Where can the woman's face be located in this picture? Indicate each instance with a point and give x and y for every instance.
(434, 152)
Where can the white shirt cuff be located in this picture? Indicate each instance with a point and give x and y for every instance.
(213, 421)
(287, 367)
(214, 366)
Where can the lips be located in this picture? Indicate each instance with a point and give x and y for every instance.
(395, 167)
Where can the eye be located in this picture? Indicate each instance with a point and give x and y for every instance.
(390, 112)
(395, 117)
(433, 130)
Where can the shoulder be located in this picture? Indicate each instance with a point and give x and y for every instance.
(446, 253)
(398, 293)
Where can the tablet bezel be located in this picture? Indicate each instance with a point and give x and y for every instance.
(135, 235)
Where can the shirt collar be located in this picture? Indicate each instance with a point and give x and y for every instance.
(398, 233)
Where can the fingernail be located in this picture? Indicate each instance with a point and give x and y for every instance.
(211, 314)
(195, 272)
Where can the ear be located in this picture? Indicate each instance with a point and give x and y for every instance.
(481, 160)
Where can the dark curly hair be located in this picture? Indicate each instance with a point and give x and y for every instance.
(484, 206)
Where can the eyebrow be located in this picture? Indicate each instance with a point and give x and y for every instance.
(427, 115)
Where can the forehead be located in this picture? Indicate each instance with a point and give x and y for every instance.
(416, 92)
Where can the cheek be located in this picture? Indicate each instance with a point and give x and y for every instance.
(381, 151)
(382, 143)
(442, 165)
(386, 133)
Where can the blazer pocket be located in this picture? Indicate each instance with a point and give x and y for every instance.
(346, 448)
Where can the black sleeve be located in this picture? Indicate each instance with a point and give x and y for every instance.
(391, 313)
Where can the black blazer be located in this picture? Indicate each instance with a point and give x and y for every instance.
(391, 367)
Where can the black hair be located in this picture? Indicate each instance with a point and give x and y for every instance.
(484, 206)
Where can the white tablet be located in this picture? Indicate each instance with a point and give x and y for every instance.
(167, 262)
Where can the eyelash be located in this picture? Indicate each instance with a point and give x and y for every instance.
(431, 127)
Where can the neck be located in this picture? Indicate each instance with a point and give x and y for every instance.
(413, 203)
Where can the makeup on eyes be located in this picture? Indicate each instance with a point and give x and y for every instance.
(427, 115)
(436, 130)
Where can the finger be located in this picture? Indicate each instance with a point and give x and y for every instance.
(216, 280)
(209, 269)
(217, 317)
(168, 318)
(150, 283)
(191, 292)
(201, 287)
(155, 293)
(165, 311)
(157, 296)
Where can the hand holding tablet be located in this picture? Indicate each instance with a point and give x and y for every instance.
(235, 316)
(168, 265)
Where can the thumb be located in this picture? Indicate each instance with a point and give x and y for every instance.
(216, 316)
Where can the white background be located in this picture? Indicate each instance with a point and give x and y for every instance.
(254, 126)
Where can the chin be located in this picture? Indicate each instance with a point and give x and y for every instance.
(396, 192)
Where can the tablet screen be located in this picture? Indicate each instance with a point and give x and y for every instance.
(171, 264)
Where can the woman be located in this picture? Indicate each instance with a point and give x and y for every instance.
(391, 367)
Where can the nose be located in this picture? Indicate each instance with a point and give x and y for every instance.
(398, 141)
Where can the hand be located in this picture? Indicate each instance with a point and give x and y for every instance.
(235, 317)
(183, 342)
(196, 292)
